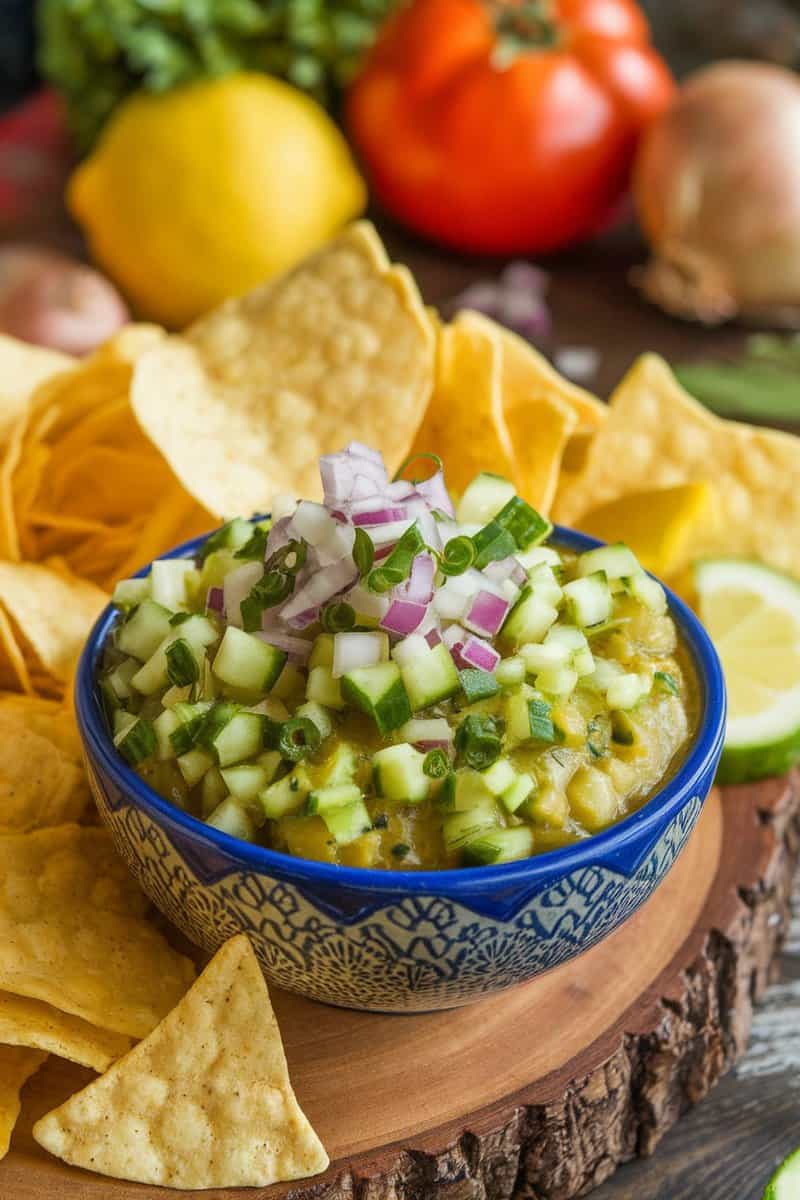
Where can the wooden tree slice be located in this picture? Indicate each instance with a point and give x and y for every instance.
(540, 1092)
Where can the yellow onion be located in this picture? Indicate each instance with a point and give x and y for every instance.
(53, 300)
(717, 190)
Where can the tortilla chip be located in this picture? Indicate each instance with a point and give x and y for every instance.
(244, 403)
(465, 421)
(72, 933)
(657, 436)
(25, 1022)
(51, 613)
(17, 1064)
(22, 368)
(41, 783)
(14, 671)
(205, 1101)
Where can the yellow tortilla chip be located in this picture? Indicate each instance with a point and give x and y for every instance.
(204, 1102)
(657, 436)
(22, 368)
(17, 1064)
(244, 403)
(40, 784)
(72, 932)
(465, 421)
(25, 1022)
(14, 671)
(52, 612)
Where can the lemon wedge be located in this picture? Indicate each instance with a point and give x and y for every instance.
(658, 525)
(785, 1183)
(753, 615)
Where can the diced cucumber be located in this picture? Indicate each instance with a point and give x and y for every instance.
(539, 554)
(459, 827)
(354, 650)
(516, 795)
(627, 690)
(144, 630)
(510, 671)
(430, 677)
(286, 795)
(168, 581)
(483, 499)
(321, 651)
(529, 619)
(409, 648)
(347, 823)
(246, 662)
(588, 599)
(176, 695)
(557, 681)
(270, 761)
(647, 591)
(342, 764)
(290, 685)
(129, 593)
(616, 562)
(477, 684)
(605, 670)
(545, 656)
(339, 795)
(120, 678)
(212, 792)
(544, 585)
(245, 781)
(194, 764)
(240, 738)
(425, 729)
(231, 818)
(499, 845)
(318, 715)
(499, 777)
(379, 691)
(399, 775)
(136, 740)
(198, 631)
(323, 689)
(469, 791)
(165, 724)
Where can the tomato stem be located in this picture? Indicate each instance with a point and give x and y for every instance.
(522, 27)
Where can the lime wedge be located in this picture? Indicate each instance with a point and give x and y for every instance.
(753, 616)
(785, 1183)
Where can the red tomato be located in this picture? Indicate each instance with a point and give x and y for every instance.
(494, 130)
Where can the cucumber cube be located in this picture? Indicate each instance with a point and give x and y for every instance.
(246, 662)
(499, 845)
(168, 581)
(144, 630)
(323, 689)
(626, 691)
(321, 651)
(348, 822)
(510, 671)
(430, 677)
(647, 591)
(245, 781)
(339, 795)
(499, 777)
(231, 818)
(120, 678)
(239, 738)
(617, 562)
(484, 498)
(379, 691)
(287, 795)
(341, 766)
(212, 792)
(515, 796)
(129, 593)
(589, 599)
(165, 724)
(529, 619)
(399, 775)
(194, 764)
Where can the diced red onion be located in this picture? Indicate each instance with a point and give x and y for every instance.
(419, 585)
(322, 586)
(435, 493)
(506, 568)
(380, 516)
(337, 474)
(312, 522)
(486, 613)
(381, 534)
(367, 603)
(236, 586)
(215, 600)
(432, 744)
(382, 552)
(433, 637)
(480, 654)
(454, 635)
(304, 619)
(298, 649)
(403, 617)
(353, 650)
(337, 545)
(400, 489)
(364, 488)
(360, 450)
(278, 536)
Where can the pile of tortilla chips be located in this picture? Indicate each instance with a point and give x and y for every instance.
(108, 462)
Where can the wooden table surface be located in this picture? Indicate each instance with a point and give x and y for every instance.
(727, 1148)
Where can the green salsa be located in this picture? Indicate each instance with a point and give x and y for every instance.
(424, 711)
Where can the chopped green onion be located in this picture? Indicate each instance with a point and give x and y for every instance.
(478, 684)
(182, 667)
(526, 526)
(668, 682)
(298, 738)
(397, 566)
(457, 556)
(492, 543)
(270, 590)
(217, 541)
(289, 559)
(363, 552)
(540, 721)
(139, 742)
(179, 617)
(412, 458)
(338, 618)
(436, 764)
(478, 741)
(255, 547)
(597, 737)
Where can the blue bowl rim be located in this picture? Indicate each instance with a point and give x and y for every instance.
(536, 870)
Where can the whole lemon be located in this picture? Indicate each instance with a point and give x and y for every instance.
(199, 194)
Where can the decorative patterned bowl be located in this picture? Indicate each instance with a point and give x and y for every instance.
(392, 940)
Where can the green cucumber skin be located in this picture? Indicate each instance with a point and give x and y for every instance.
(746, 764)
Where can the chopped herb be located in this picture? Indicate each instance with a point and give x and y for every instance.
(540, 721)
(255, 547)
(597, 737)
(299, 737)
(412, 458)
(459, 554)
(436, 763)
(178, 618)
(668, 682)
(396, 568)
(294, 784)
(491, 544)
(182, 666)
(338, 618)
(363, 552)
(139, 742)
(289, 558)
(271, 589)
(217, 541)
(478, 684)
(400, 850)
(478, 741)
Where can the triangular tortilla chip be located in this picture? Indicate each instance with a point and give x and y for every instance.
(22, 368)
(657, 436)
(243, 404)
(204, 1101)
(17, 1064)
(32, 1023)
(40, 784)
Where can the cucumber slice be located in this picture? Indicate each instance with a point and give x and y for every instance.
(348, 822)
(212, 792)
(379, 691)
(499, 776)
(430, 677)
(168, 577)
(399, 775)
(323, 689)
(287, 795)
(589, 599)
(529, 619)
(245, 781)
(144, 630)
(499, 845)
(129, 593)
(461, 827)
(339, 795)
(246, 662)
(515, 796)
(194, 764)
(240, 738)
(785, 1183)
(484, 498)
(616, 562)
(647, 591)
(165, 725)
(318, 715)
(231, 818)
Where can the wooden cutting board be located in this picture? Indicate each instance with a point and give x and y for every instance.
(542, 1090)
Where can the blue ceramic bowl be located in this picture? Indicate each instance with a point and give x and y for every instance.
(393, 940)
